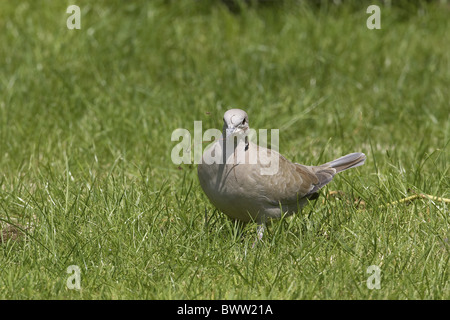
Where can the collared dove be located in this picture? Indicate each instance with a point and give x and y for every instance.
(230, 174)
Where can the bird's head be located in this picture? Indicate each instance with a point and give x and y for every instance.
(235, 122)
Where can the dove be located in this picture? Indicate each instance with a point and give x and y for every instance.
(232, 177)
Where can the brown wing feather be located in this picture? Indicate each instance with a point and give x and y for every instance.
(291, 183)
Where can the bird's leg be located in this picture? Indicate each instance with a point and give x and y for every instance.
(259, 232)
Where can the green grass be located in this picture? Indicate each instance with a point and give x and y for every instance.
(86, 118)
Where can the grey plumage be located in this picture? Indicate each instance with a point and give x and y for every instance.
(243, 193)
(351, 160)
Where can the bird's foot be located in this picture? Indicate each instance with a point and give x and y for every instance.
(259, 233)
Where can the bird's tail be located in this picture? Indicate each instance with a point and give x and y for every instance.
(351, 160)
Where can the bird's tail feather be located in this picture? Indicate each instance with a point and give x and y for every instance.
(348, 161)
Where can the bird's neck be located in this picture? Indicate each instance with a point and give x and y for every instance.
(239, 141)
(233, 145)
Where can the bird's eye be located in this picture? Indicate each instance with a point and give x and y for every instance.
(243, 121)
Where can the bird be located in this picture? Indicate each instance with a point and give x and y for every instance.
(231, 174)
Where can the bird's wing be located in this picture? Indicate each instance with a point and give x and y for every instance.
(292, 181)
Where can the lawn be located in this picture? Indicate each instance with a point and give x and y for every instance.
(87, 180)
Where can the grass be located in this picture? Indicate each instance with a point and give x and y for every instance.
(86, 118)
